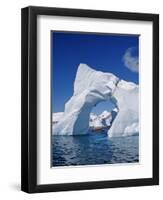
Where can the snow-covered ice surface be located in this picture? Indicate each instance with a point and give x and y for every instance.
(56, 117)
(127, 120)
(92, 87)
(101, 120)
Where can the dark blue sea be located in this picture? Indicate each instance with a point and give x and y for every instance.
(94, 149)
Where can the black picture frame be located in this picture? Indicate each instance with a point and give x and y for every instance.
(29, 98)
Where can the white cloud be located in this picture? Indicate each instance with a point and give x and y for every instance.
(131, 61)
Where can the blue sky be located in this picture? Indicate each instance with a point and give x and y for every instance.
(117, 54)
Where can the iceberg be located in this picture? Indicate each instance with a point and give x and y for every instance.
(90, 88)
(93, 120)
(56, 117)
(127, 119)
(133, 129)
(100, 121)
(106, 117)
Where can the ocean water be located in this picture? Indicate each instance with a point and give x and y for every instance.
(94, 149)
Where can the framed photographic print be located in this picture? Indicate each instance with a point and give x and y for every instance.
(90, 99)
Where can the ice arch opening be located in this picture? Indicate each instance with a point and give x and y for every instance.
(92, 87)
(102, 106)
(102, 116)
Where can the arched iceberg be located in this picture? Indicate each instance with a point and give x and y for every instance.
(92, 87)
